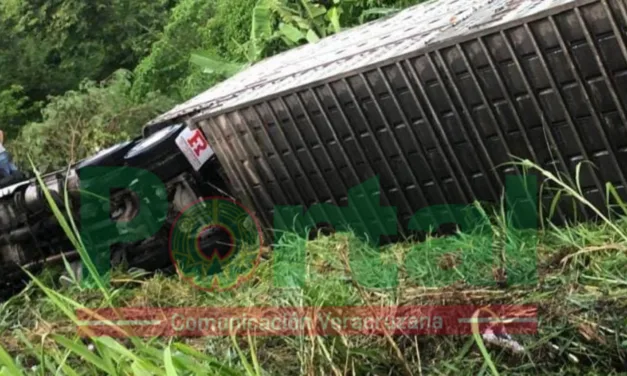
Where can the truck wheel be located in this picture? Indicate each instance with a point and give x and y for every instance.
(159, 154)
(156, 146)
(112, 156)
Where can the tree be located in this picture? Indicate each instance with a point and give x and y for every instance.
(50, 46)
(80, 122)
(13, 110)
(218, 28)
(166, 68)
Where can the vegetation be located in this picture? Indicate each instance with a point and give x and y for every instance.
(54, 53)
(51, 46)
(77, 76)
(78, 123)
(581, 294)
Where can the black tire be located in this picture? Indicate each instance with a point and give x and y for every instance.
(112, 156)
(156, 146)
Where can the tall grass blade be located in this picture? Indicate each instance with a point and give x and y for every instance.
(554, 203)
(124, 352)
(82, 351)
(576, 195)
(477, 336)
(188, 350)
(245, 363)
(7, 362)
(71, 233)
(253, 355)
(167, 361)
(610, 191)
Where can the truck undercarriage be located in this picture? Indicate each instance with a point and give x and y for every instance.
(32, 237)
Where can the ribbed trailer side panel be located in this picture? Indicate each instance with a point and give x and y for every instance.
(440, 124)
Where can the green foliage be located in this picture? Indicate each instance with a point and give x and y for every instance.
(79, 123)
(230, 29)
(581, 330)
(201, 39)
(13, 110)
(167, 68)
(177, 48)
(238, 34)
(50, 46)
(278, 25)
(212, 64)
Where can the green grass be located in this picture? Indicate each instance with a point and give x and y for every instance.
(580, 289)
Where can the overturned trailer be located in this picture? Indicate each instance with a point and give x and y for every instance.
(436, 101)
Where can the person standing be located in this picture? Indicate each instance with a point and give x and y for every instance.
(7, 168)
